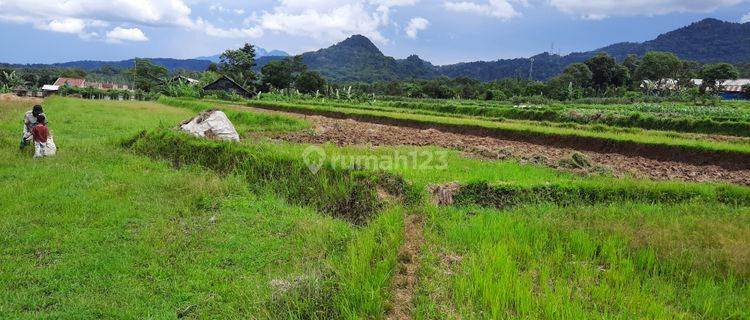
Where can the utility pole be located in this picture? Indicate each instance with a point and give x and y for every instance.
(135, 74)
(531, 69)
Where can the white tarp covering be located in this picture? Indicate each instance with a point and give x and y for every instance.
(212, 124)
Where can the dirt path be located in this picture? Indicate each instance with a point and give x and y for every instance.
(352, 132)
(405, 281)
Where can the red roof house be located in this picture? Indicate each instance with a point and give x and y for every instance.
(73, 82)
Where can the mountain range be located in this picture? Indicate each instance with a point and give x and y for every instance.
(195, 64)
(358, 59)
(259, 52)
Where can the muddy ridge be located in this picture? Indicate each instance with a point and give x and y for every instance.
(725, 159)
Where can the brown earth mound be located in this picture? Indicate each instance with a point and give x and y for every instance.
(13, 97)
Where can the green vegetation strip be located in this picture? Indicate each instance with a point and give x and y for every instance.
(587, 193)
(644, 144)
(668, 118)
(343, 193)
(665, 119)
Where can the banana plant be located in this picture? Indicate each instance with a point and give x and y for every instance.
(12, 79)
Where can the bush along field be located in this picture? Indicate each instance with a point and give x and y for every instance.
(133, 219)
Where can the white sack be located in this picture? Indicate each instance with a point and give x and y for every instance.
(212, 124)
(45, 149)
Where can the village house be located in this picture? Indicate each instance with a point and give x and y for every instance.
(50, 89)
(728, 89)
(733, 89)
(227, 85)
(71, 82)
(106, 86)
(183, 79)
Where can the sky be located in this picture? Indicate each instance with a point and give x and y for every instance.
(441, 31)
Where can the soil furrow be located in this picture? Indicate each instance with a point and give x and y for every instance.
(405, 280)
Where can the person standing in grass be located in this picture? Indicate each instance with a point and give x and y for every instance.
(29, 121)
(40, 132)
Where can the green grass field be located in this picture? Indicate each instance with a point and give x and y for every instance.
(103, 230)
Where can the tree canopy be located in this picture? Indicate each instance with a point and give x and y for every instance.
(713, 73)
(238, 65)
(146, 75)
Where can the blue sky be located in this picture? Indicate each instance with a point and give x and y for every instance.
(441, 31)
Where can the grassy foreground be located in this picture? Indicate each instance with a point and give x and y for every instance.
(102, 231)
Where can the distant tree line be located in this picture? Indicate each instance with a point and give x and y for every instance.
(655, 75)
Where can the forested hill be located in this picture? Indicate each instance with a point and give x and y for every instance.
(171, 64)
(358, 59)
(707, 41)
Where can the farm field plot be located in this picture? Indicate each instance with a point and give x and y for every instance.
(732, 119)
(351, 132)
(132, 219)
(730, 153)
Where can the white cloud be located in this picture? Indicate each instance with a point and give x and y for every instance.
(211, 30)
(601, 9)
(64, 25)
(336, 24)
(745, 19)
(416, 24)
(501, 9)
(80, 16)
(120, 34)
(330, 20)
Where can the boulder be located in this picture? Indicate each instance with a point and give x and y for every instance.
(211, 124)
